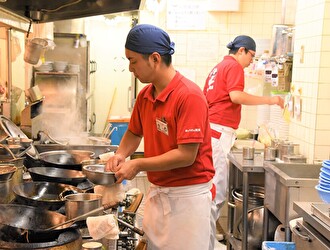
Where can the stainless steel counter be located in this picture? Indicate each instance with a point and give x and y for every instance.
(304, 209)
(242, 173)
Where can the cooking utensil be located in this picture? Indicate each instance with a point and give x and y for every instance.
(47, 195)
(68, 159)
(97, 175)
(248, 153)
(78, 204)
(133, 228)
(270, 154)
(10, 128)
(21, 222)
(83, 216)
(58, 175)
(7, 172)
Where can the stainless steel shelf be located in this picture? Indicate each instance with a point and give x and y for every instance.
(242, 173)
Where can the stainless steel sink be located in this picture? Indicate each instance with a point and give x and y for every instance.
(294, 174)
(286, 183)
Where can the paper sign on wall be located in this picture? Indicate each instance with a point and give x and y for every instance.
(186, 15)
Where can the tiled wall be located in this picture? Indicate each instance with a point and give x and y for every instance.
(256, 18)
(311, 75)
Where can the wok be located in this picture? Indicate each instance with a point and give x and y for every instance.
(21, 223)
(58, 175)
(45, 195)
(25, 223)
(68, 159)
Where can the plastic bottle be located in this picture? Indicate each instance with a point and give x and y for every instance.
(267, 66)
(275, 76)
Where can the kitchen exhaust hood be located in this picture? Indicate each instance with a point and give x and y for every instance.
(48, 11)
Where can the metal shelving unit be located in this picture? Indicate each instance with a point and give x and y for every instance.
(242, 173)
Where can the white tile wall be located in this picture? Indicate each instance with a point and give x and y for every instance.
(256, 18)
(312, 32)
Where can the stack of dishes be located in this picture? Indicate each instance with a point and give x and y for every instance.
(323, 187)
(60, 66)
(45, 67)
(73, 68)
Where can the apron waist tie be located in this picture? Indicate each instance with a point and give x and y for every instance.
(163, 195)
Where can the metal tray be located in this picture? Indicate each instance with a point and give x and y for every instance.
(321, 211)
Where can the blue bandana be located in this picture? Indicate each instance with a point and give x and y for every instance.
(242, 41)
(147, 39)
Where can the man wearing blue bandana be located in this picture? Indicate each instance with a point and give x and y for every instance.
(171, 114)
(224, 91)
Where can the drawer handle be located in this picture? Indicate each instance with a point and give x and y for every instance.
(296, 230)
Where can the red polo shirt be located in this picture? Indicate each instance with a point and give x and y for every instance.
(225, 77)
(183, 108)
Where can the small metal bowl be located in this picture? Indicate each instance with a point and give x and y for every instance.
(97, 175)
(6, 172)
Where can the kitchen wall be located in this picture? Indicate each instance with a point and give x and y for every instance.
(310, 74)
(198, 51)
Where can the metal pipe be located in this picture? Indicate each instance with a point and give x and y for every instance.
(10, 79)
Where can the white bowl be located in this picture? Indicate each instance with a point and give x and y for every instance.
(60, 65)
(73, 68)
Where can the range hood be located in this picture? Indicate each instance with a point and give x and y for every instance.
(48, 11)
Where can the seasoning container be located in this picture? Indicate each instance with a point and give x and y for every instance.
(248, 153)
(92, 245)
(270, 154)
(285, 149)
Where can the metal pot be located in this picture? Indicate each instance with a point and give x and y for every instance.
(7, 194)
(255, 227)
(270, 154)
(255, 216)
(79, 204)
(33, 49)
(46, 195)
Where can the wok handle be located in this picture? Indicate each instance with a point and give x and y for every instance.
(134, 229)
(83, 216)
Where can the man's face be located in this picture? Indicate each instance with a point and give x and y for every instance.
(139, 66)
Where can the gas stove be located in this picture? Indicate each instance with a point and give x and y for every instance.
(127, 238)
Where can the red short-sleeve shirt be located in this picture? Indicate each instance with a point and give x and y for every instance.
(225, 77)
(183, 108)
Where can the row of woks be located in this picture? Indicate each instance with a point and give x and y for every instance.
(23, 224)
(37, 204)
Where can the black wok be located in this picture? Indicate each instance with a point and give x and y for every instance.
(68, 159)
(20, 223)
(58, 175)
(47, 195)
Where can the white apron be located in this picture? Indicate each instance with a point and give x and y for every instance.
(177, 218)
(220, 149)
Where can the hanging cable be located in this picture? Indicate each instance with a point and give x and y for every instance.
(61, 7)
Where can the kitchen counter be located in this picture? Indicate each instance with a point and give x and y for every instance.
(255, 165)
